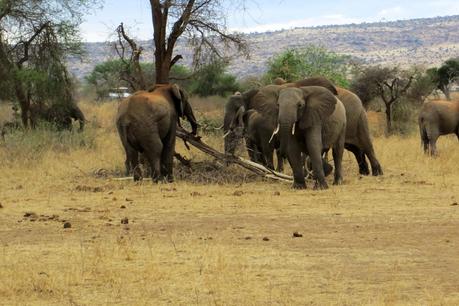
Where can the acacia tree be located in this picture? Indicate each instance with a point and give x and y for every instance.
(201, 22)
(390, 84)
(35, 37)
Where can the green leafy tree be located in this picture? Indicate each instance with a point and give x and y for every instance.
(296, 64)
(35, 38)
(446, 75)
(212, 79)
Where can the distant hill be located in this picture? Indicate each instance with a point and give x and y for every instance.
(427, 41)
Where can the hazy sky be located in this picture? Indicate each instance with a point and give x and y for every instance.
(270, 15)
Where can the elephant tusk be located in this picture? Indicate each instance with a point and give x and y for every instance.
(274, 133)
(226, 134)
(220, 127)
(293, 128)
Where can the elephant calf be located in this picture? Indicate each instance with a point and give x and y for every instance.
(435, 119)
(147, 123)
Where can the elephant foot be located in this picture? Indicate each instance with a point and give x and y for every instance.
(338, 181)
(137, 176)
(364, 171)
(320, 186)
(328, 169)
(377, 171)
(297, 185)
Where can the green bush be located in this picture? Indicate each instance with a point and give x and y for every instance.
(296, 64)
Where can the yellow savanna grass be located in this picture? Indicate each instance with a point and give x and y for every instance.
(220, 235)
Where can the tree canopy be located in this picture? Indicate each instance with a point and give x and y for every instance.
(296, 64)
(212, 79)
(445, 75)
(35, 38)
(390, 84)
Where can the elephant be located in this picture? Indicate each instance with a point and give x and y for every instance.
(147, 123)
(358, 139)
(259, 143)
(255, 134)
(59, 115)
(437, 118)
(311, 120)
(264, 101)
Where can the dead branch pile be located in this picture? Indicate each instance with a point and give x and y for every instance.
(227, 159)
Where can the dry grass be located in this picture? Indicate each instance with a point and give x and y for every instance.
(390, 240)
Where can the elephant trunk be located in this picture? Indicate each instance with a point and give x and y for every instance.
(287, 124)
(189, 114)
(233, 126)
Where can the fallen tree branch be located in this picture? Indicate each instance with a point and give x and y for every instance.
(247, 164)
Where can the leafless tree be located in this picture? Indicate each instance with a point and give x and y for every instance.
(129, 53)
(201, 22)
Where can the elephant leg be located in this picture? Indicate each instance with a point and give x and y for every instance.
(433, 143)
(338, 150)
(167, 155)
(132, 163)
(268, 152)
(251, 151)
(424, 139)
(295, 159)
(153, 148)
(280, 162)
(359, 157)
(314, 146)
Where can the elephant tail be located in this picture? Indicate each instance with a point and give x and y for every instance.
(423, 130)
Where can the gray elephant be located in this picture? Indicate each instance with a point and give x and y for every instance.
(358, 139)
(59, 115)
(435, 119)
(147, 123)
(311, 120)
(264, 101)
(255, 134)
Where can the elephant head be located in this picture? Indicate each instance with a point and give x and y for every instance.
(183, 107)
(232, 122)
(301, 108)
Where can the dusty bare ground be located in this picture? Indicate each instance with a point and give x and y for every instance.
(221, 236)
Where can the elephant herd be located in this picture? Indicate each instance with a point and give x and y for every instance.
(297, 120)
(304, 118)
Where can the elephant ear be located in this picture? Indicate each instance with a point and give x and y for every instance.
(238, 119)
(320, 103)
(180, 100)
(247, 97)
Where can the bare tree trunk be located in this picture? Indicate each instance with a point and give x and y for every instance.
(24, 104)
(389, 118)
(162, 70)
